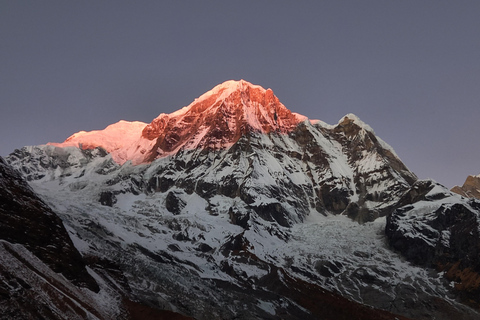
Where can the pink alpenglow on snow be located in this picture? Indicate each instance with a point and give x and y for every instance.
(215, 120)
(115, 138)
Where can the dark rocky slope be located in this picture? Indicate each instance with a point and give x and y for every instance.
(27, 220)
(437, 229)
(43, 276)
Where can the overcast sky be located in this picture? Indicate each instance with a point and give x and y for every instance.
(410, 69)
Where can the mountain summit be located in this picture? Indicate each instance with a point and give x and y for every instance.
(215, 120)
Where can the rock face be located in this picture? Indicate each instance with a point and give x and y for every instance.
(259, 213)
(470, 189)
(30, 288)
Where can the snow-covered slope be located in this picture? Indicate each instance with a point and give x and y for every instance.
(25, 219)
(236, 192)
(42, 274)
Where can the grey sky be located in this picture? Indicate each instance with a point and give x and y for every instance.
(410, 69)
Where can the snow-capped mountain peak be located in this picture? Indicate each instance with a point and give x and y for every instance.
(215, 120)
(218, 118)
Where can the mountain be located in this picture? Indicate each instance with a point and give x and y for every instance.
(470, 189)
(235, 207)
(243, 134)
